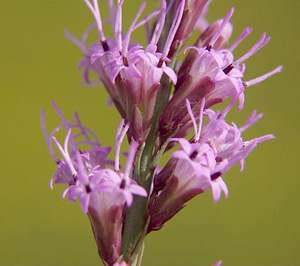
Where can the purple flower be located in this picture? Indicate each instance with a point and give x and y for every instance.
(101, 191)
(199, 164)
(193, 10)
(210, 71)
(122, 182)
(161, 101)
(130, 73)
(92, 159)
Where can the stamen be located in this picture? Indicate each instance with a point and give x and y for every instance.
(228, 69)
(112, 11)
(263, 77)
(51, 183)
(118, 25)
(88, 188)
(215, 175)
(65, 153)
(123, 183)
(252, 119)
(209, 47)
(82, 176)
(222, 26)
(160, 62)
(160, 24)
(105, 45)
(81, 127)
(146, 19)
(255, 48)
(130, 158)
(119, 139)
(65, 192)
(96, 12)
(148, 32)
(200, 120)
(58, 111)
(194, 155)
(242, 37)
(48, 140)
(259, 140)
(173, 30)
(189, 109)
(231, 104)
(131, 28)
(125, 61)
(77, 42)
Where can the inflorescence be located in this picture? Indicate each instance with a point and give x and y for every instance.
(161, 103)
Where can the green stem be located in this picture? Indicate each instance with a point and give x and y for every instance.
(135, 215)
(135, 223)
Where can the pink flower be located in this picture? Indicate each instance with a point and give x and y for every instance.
(161, 101)
(101, 191)
(199, 164)
(210, 71)
(92, 159)
(130, 73)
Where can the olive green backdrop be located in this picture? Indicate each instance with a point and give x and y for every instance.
(257, 225)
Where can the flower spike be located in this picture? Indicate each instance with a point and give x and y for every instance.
(161, 102)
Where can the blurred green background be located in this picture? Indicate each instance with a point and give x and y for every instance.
(257, 225)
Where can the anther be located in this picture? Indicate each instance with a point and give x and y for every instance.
(193, 155)
(125, 61)
(209, 47)
(105, 45)
(160, 63)
(123, 183)
(74, 177)
(88, 189)
(228, 69)
(215, 175)
(219, 159)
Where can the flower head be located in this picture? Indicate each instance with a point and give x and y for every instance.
(101, 191)
(210, 71)
(161, 101)
(83, 141)
(200, 163)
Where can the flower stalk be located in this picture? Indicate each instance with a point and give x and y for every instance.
(160, 103)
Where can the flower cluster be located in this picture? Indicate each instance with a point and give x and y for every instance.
(161, 102)
(200, 163)
(102, 192)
